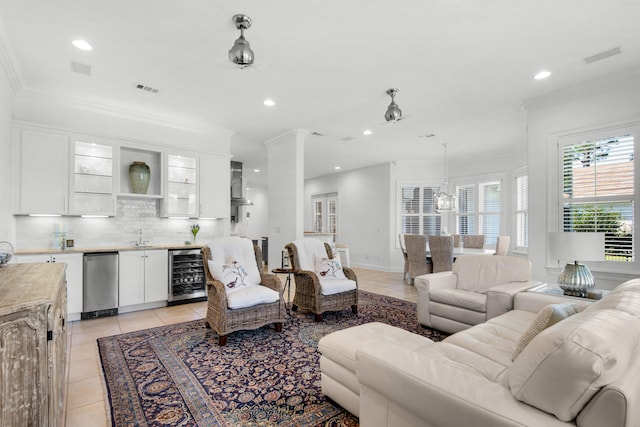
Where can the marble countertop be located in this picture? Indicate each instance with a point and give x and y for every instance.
(104, 249)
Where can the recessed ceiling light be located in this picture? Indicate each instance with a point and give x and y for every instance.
(367, 132)
(81, 44)
(337, 168)
(542, 75)
(269, 102)
(256, 170)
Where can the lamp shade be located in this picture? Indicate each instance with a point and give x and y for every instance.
(576, 246)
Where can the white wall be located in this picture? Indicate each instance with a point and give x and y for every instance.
(7, 223)
(363, 214)
(599, 104)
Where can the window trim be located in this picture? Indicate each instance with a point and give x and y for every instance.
(555, 188)
(519, 172)
(399, 186)
(476, 180)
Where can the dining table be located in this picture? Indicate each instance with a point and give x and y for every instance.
(466, 251)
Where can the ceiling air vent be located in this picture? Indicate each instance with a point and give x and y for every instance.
(146, 88)
(347, 138)
(603, 55)
(317, 134)
(79, 68)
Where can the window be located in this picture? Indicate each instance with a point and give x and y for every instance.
(325, 213)
(522, 212)
(597, 191)
(479, 209)
(417, 210)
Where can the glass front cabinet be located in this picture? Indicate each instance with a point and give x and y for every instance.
(181, 198)
(92, 180)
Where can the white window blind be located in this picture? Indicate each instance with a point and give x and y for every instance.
(522, 211)
(598, 192)
(417, 210)
(479, 209)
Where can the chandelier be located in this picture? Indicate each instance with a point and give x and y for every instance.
(445, 200)
(241, 53)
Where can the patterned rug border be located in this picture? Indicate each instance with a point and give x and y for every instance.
(167, 350)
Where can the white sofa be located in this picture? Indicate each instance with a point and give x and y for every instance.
(478, 288)
(583, 370)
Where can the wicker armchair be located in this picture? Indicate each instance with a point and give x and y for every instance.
(224, 320)
(308, 295)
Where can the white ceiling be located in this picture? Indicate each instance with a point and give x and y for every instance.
(463, 67)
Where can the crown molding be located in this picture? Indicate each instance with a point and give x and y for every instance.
(8, 61)
(122, 112)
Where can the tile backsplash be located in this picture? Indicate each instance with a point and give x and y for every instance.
(132, 215)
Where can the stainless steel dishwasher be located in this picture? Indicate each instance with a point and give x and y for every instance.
(100, 285)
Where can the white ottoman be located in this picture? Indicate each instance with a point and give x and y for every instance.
(338, 358)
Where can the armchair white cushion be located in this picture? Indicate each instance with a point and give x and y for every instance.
(479, 288)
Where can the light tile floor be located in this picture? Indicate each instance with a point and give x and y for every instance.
(85, 389)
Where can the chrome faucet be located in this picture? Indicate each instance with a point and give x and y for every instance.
(141, 243)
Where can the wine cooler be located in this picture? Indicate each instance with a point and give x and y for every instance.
(187, 282)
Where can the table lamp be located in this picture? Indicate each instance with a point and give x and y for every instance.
(576, 279)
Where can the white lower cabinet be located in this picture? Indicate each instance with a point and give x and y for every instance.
(73, 274)
(143, 276)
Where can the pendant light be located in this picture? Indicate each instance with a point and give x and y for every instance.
(241, 53)
(445, 200)
(393, 112)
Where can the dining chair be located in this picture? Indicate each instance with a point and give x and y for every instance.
(474, 241)
(404, 255)
(502, 245)
(457, 243)
(417, 255)
(441, 248)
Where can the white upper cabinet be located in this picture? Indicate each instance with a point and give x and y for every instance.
(182, 186)
(42, 174)
(92, 181)
(215, 187)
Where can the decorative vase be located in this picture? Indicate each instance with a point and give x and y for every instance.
(139, 174)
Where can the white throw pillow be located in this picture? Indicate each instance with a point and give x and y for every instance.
(549, 315)
(329, 268)
(233, 276)
(565, 365)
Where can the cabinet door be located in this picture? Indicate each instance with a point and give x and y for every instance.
(44, 172)
(156, 276)
(27, 259)
(215, 187)
(131, 277)
(74, 281)
(92, 181)
(182, 191)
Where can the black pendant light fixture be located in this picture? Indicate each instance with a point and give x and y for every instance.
(393, 112)
(241, 53)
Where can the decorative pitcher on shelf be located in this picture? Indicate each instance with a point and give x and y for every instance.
(139, 174)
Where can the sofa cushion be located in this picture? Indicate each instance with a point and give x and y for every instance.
(459, 298)
(335, 286)
(548, 316)
(624, 298)
(567, 363)
(478, 273)
(250, 296)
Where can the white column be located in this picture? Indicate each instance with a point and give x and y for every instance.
(286, 192)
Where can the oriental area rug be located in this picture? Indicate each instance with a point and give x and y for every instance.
(178, 375)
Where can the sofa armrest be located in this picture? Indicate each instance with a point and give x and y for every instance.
(535, 301)
(500, 297)
(427, 282)
(436, 393)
